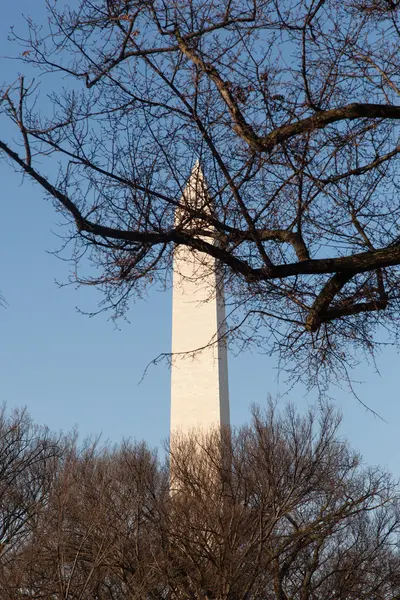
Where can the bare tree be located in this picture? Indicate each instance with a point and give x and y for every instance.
(291, 513)
(297, 518)
(28, 462)
(292, 109)
(96, 537)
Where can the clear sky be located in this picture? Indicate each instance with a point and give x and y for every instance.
(70, 370)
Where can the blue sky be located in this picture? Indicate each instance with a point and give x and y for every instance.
(69, 369)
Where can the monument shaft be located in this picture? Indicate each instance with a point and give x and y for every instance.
(199, 378)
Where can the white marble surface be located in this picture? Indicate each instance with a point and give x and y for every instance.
(199, 378)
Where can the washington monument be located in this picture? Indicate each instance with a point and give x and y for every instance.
(199, 378)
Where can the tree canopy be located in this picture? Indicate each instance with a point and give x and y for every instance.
(289, 513)
(291, 109)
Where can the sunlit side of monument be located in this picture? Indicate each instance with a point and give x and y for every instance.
(199, 378)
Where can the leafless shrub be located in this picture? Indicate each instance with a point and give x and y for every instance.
(29, 458)
(298, 517)
(279, 509)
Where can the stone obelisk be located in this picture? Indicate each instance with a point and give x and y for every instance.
(199, 378)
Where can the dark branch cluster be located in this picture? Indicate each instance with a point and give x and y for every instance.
(280, 509)
(292, 110)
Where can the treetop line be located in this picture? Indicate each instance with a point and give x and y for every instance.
(292, 110)
(293, 514)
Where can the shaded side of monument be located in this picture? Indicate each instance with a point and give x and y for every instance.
(199, 374)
